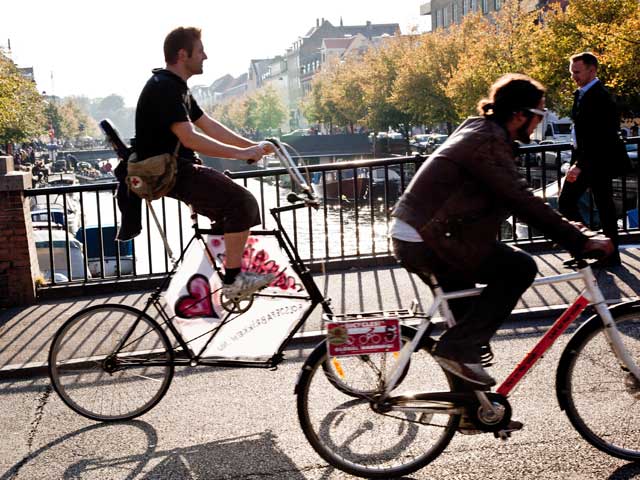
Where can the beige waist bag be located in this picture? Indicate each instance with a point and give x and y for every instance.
(152, 177)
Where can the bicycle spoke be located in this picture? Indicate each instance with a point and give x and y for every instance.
(96, 382)
(603, 400)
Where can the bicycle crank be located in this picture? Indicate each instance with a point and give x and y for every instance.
(492, 417)
(236, 304)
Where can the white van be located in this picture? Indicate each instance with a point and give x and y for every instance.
(553, 128)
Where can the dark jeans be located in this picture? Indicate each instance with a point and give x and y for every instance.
(507, 273)
(231, 206)
(602, 196)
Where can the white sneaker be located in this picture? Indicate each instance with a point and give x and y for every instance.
(246, 284)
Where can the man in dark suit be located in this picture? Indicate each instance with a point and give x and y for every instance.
(597, 154)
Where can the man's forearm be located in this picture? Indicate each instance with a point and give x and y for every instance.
(212, 147)
(222, 134)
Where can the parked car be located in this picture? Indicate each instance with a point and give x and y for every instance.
(551, 157)
(419, 142)
(298, 132)
(430, 141)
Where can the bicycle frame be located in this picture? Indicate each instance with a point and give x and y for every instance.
(591, 295)
(193, 359)
(308, 200)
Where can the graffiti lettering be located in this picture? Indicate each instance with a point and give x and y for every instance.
(258, 261)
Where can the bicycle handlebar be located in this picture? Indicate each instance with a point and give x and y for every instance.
(308, 197)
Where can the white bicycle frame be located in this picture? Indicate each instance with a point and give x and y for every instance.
(590, 295)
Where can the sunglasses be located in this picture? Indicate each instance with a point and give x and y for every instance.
(537, 111)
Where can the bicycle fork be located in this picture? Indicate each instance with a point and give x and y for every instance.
(612, 334)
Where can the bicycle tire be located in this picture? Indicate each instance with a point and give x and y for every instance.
(598, 395)
(105, 387)
(348, 434)
(356, 375)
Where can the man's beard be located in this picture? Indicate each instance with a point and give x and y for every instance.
(522, 134)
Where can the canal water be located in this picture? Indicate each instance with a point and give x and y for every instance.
(334, 231)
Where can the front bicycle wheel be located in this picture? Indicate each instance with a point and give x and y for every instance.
(600, 397)
(111, 362)
(351, 435)
(360, 375)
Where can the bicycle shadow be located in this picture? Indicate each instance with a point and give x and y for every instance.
(628, 471)
(237, 457)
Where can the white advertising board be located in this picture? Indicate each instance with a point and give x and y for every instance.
(193, 297)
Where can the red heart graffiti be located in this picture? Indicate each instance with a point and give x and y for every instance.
(198, 302)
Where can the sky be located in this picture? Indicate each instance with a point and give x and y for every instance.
(90, 48)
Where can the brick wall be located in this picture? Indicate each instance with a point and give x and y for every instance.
(18, 257)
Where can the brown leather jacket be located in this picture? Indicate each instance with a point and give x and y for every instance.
(467, 188)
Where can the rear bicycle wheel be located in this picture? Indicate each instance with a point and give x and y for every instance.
(352, 436)
(111, 362)
(601, 398)
(360, 375)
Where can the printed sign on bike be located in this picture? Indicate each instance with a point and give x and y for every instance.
(361, 337)
(194, 298)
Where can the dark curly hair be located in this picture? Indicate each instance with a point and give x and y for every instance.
(511, 93)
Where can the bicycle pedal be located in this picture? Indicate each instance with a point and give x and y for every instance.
(505, 433)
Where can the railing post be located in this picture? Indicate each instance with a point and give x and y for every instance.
(18, 257)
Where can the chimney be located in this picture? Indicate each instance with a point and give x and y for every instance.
(317, 22)
(322, 21)
(368, 23)
(341, 22)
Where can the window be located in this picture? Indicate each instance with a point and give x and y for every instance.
(465, 7)
(446, 19)
(485, 6)
(439, 19)
(498, 4)
(474, 5)
(456, 13)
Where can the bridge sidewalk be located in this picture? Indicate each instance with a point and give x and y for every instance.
(26, 333)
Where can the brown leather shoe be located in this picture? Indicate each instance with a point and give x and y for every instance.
(471, 372)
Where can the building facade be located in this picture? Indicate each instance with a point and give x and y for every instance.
(447, 12)
(291, 74)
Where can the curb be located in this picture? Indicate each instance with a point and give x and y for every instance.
(34, 370)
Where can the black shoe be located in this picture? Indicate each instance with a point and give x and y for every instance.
(471, 372)
(611, 261)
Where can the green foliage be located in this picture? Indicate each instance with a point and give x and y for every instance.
(262, 111)
(269, 112)
(21, 106)
(70, 119)
(439, 77)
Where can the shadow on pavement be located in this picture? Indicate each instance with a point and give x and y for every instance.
(237, 457)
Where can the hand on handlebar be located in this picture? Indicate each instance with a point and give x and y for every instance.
(255, 152)
(267, 147)
(598, 247)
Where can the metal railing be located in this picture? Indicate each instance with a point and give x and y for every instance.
(351, 225)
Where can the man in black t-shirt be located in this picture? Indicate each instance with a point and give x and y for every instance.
(167, 113)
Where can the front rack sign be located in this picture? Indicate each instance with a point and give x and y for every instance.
(362, 337)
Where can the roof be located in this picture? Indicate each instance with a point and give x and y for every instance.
(337, 42)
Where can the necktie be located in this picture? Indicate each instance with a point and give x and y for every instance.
(577, 95)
